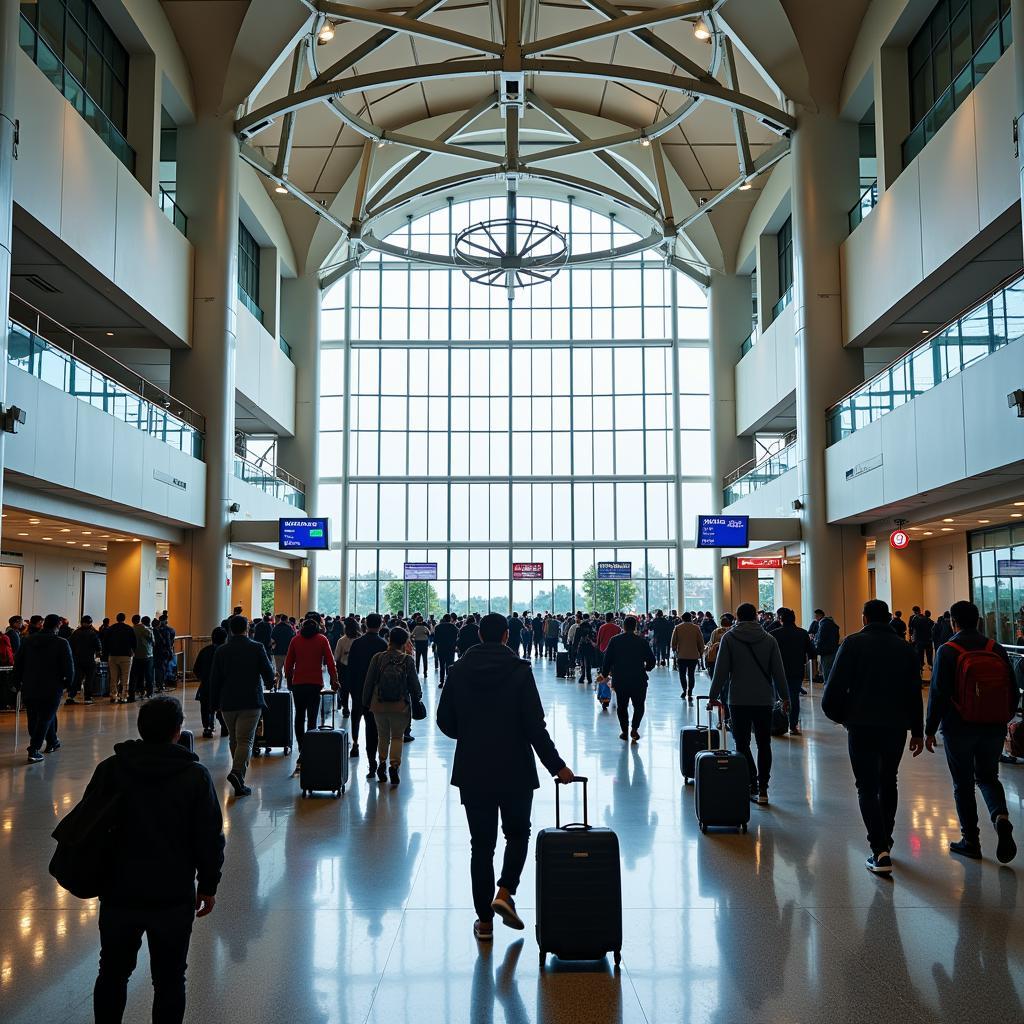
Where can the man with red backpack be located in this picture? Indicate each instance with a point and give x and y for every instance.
(972, 697)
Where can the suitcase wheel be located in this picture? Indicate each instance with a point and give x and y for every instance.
(256, 752)
(287, 750)
(743, 829)
(618, 957)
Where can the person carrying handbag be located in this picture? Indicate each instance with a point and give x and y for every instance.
(392, 693)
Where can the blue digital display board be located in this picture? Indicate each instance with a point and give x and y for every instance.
(614, 570)
(302, 535)
(420, 571)
(723, 531)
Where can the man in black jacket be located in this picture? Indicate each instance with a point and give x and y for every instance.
(175, 836)
(262, 633)
(921, 629)
(469, 635)
(796, 647)
(491, 708)
(360, 655)
(43, 670)
(280, 637)
(446, 636)
(662, 630)
(874, 689)
(240, 671)
(85, 649)
(119, 643)
(627, 660)
(972, 749)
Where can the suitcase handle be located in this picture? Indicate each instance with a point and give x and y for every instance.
(721, 718)
(585, 824)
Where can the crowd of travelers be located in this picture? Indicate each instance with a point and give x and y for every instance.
(759, 663)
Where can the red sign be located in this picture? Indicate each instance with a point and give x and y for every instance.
(899, 539)
(527, 570)
(758, 563)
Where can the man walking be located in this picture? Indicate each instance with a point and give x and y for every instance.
(43, 670)
(176, 837)
(359, 657)
(688, 647)
(446, 636)
(826, 642)
(749, 675)
(796, 647)
(280, 637)
(972, 696)
(627, 660)
(239, 673)
(491, 708)
(119, 646)
(85, 649)
(874, 690)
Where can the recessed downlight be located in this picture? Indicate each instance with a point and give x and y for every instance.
(47, 538)
(22, 534)
(947, 520)
(927, 533)
(65, 530)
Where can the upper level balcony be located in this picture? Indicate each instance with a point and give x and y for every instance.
(755, 474)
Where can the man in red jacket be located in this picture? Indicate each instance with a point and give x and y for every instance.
(607, 631)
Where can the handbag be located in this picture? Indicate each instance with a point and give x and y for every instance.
(419, 711)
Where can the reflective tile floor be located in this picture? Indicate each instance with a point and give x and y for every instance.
(358, 909)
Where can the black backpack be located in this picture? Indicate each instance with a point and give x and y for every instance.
(391, 685)
(87, 841)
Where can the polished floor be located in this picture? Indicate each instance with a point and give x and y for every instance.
(358, 909)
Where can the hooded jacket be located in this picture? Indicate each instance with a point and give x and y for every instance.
(307, 654)
(280, 637)
(491, 707)
(175, 834)
(748, 669)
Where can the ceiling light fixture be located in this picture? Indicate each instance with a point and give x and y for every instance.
(645, 142)
(947, 529)
(1016, 515)
(110, 334)
(1018, 504)
(925, 331)
(927, 533)
(947, 520)
(65, 530)
(70, 542)
(984, 520)
(47, 538)
(326, 33)
(22, 534)
(745, 187)
(280, 189)
(87, 533)
(701, 30)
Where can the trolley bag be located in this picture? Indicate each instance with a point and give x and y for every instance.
(325, 761)
(692, 740)
(328, 706)
(721, 789)
(579, 889)
(187, 740)
(101, 680)
(278, 721)
(562, 665)
(780, 720)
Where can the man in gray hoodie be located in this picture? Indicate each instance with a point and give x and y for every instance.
(749, 677)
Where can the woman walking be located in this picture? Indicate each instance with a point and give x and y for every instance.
(304, 664)
(341, 649)
(391, 688)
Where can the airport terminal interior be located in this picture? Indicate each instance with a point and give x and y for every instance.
(544, 308)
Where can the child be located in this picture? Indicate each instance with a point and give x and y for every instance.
(604, 692)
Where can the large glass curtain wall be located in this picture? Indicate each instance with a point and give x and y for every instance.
(478, 435)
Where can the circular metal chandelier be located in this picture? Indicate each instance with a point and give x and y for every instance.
(511, 252)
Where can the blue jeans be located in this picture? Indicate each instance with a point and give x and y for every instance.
(973, 758)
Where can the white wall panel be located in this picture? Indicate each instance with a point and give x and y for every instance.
(766, 375)
(939, 435)
(53, 424)
(264, 375)
(995, 436)
(38, 169)
(899, 470)
(20, 448)
(94, 437)
(998, 184)
(772, 501)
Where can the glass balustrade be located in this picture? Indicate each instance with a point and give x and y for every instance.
(763, 472)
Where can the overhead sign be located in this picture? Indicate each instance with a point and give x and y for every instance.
(1010, 567)
(527, 570)
(302, 535)
(420, 571)
(723, 531)
(899, 539)
(614, 570)
(759, 563)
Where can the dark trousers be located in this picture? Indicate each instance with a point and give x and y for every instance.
(621, 708)
(210, 719)
(875, 754)
(687, 672)
(973, 758)
(551, 646)
(85, 671)
(584, 654)
(168, 931)
(142, 676)
(482, 815)
(744, 718)
(307, 706)
(527, 641)
(794, 700)
(42, 720)
(445, 660)
(359, 713)
(422, 650)
(661, 650)
(924, 652)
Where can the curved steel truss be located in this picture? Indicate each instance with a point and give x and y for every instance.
(515, 66)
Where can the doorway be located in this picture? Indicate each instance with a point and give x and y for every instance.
(11, 577)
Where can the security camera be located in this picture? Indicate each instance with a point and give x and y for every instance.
(10, 418)
(1016, 398)
(234, 507)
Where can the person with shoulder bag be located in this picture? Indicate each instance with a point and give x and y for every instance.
(392, 692)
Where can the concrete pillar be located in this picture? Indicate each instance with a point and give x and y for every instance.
(892, 113)
(788, 592)
(729, 320)
(204, 376)
(179, 588)
(144, 92)
(131, 578)
(824, 159)
(8, 63)
(300, 455)
(898, 574)
(306, 596)
(286, 592)
(247, 588)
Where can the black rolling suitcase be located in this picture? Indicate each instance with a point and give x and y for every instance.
(325, 754)
(579, 889)
(721, 794)
(277, 723)
(692, 740)
(562, 665)
(187, 740)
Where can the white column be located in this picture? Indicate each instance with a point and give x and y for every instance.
(824, 159)
(8, 63)
(677, 446)
(1017, 24)
(204, 376)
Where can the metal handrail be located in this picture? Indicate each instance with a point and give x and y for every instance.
(787, 442)
(176, 211)
(66, 339)
(276, 472)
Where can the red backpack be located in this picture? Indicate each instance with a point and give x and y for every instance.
(981, 692)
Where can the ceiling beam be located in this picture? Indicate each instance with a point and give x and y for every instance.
(438, 146)
(617, 26)
(409, 26)
(454, 180)
(739, 126)
(284, 146)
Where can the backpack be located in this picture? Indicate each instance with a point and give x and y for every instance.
(391, 684)
(981, 690)
(87, 841)
(711, 654)
(1015, 740)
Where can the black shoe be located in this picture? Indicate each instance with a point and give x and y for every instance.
(70, 700)
(803, 692)
(879, 863)
(371, 771)
(207, 734)
(34, 757)
(354, 752)
(965, 849)
(382, 772)
(344, 712)
(1006, 849)
(393, 775)
(130, 700)
(236, 782)
(408, 738)
(51, 747)
(243, 790)
(88, 700)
